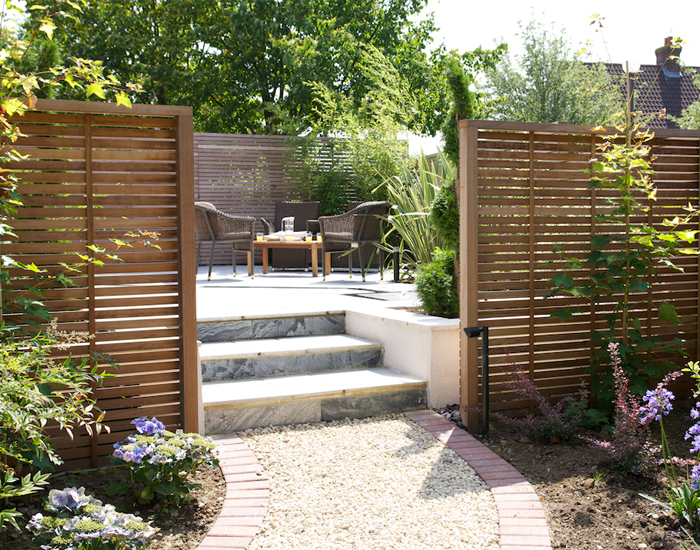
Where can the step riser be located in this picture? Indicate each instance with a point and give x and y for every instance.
(250, 329)
(281, 365)
(219, 420)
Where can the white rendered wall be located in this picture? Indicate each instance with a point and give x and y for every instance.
(422, 346)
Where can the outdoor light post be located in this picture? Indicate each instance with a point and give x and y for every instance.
(396, 264)
(474, 332)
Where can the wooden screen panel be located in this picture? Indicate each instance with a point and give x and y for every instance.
(246, 174)
(94, 180)
(529, 208)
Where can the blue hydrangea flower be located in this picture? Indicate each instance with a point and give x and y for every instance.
(658, 402)
(148, 427)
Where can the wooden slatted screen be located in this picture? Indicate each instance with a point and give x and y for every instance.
(96, 172)
(243, 175)
(524, 193)
(246, 174)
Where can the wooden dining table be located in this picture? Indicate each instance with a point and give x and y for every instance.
(266, 245)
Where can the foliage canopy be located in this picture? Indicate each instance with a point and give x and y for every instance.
(550, 84)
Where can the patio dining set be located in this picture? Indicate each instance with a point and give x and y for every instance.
(353, 235)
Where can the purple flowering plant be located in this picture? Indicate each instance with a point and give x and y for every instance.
(684, 497)
(76, 521)
(160, 461)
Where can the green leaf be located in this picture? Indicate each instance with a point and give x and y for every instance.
(118, 488)
(563, 281)
(123, 99)
(166, 488)
(639, 286)
(562, 315)
(667, 312)
(47, 27)
(96, 89)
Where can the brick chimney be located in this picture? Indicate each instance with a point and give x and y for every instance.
(667, 50)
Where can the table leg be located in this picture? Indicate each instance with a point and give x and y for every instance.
(314, 258)
(265, 260)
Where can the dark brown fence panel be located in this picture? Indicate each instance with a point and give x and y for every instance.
(97, 175)
(243, 175)
(246, 174)
(527, 208)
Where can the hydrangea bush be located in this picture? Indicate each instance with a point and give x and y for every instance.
(160, 461)
(77, 521)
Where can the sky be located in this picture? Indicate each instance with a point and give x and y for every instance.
(631, 30)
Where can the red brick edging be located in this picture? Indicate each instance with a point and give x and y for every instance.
(521, 517)
(246, 500)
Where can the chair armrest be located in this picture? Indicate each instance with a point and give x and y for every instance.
(229, 227)
(337, 228)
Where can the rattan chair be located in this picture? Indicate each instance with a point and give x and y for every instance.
(345, 233)
(214, 226)
(302, 211)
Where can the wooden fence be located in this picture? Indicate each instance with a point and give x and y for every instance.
(247, 174)
(523, 193)
(96, 172)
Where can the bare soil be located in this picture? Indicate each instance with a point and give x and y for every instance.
(178, 529)
(589, 506)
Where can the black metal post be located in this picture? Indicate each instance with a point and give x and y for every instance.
(485, 380)
(474, 332)
(396, 265)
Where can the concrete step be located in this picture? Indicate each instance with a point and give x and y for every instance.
(248, 328)
(238, 405)
(287, 356)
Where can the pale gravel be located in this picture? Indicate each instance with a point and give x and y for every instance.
(371, 484)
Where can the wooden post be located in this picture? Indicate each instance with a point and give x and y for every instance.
(187, 273)
(469, 272)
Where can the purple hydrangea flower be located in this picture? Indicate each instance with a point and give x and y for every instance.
(148, 427)
(658, 402)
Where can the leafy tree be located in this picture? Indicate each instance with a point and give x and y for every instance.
(690, 119)
(245, 65)
(549, 84)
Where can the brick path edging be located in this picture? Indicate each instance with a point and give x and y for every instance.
(521, 518)
(247, 496)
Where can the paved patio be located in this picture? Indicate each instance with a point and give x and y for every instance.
(295, 291)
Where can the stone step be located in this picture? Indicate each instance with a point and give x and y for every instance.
(287, 356)
(248, 328)
(242, 404)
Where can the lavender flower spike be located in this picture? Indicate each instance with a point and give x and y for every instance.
(658, 403)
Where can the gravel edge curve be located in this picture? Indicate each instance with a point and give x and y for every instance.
(521, 517)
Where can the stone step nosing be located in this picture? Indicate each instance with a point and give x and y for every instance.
(286, 353)
(271, 402)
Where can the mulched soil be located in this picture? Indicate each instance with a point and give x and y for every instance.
(178, 529)
(588, 505)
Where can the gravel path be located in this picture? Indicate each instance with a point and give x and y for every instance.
(372, 484)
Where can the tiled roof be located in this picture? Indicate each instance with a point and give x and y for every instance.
(657, 88)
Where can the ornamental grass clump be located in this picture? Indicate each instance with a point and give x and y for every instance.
(77, 521)
(160, 462)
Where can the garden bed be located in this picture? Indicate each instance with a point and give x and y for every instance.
(590, 507)
(178, 529)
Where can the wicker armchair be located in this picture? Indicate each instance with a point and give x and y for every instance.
(347, 232)
(302, 211)
(214, 226)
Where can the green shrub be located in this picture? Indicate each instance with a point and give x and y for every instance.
(436, 285)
